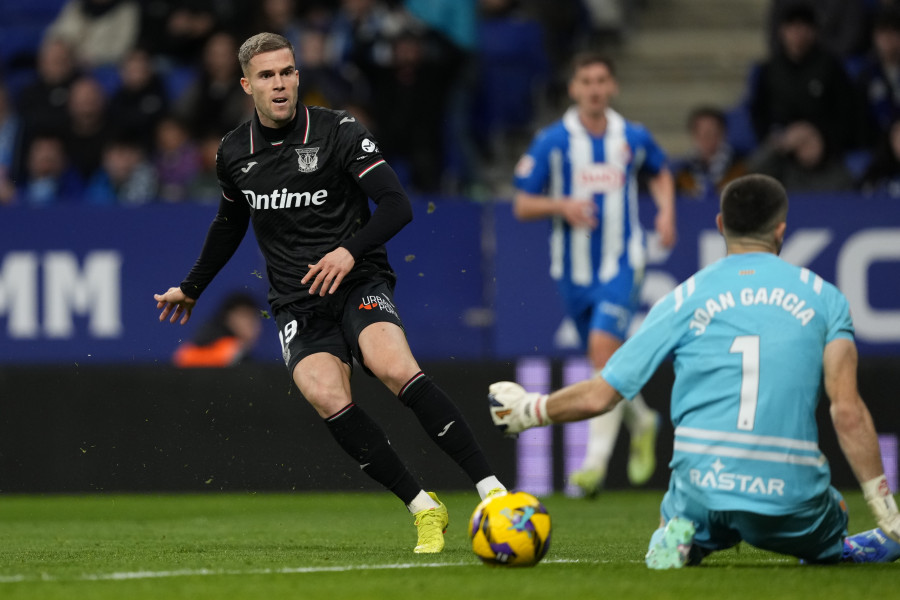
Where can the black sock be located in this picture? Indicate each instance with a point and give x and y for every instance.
(364, 440)
(442, 421)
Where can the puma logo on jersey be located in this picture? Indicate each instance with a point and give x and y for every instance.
(249, 166)
(347, 120)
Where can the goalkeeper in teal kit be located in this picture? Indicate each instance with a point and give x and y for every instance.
(755, 341)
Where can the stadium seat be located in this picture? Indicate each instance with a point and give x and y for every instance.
(513, 65)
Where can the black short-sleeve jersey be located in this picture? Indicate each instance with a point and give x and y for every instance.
(302, 194)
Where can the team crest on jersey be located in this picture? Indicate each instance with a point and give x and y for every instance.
(525, 166)
(307, 159)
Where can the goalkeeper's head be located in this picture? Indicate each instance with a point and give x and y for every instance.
(753, 213)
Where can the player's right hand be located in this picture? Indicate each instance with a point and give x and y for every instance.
(580, 213)
(175, 302)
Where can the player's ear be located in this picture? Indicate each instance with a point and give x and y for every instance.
(245, 83)
(720, 225)
(779, 232)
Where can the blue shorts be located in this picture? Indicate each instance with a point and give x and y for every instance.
(815, 533)
(609, 307)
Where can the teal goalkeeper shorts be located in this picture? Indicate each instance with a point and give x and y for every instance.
(815, 534)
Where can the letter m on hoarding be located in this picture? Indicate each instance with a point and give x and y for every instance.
(92, 290)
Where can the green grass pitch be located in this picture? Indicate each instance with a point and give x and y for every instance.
(359, 546)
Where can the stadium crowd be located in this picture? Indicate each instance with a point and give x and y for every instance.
(120, 102)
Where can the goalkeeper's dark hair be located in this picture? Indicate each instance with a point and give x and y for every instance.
(753, 205)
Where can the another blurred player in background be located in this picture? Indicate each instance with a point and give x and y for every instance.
(755, 340)
(582, 173)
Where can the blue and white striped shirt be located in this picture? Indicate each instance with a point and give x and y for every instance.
(565, 160)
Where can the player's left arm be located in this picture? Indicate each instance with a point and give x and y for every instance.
(661, 185)
(392, 212)
(856, 433)
(662, 190)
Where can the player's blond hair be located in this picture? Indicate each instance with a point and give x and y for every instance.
(259, 43)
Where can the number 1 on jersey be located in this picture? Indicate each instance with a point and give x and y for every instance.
(748, 347)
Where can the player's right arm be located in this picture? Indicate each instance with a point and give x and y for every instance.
(577, 213)
(856, 433)
(222, 240)
(532, 180)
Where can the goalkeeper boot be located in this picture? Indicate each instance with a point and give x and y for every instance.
(670, 546)
(431, 524)
(642, 456)
(870, 546)
(514, 410)
(589, 481)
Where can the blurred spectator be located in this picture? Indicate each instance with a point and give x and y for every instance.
(879, 77)
(175, 31)
(42, 104)
(362, 30)
(802, 81)
(278, 16)
(844, 26)
(712, 162)
(49, 179)
(882, 177)
(126, 178)
(140, 102)
(514, 71)
(100, 31)
(567, 27)
(454, 27)
(10, 140)
(608, 20)
(88, 128)
(204, 187)
(408, 100)
(215, 102)
(227, 339)
(321, 83)
(177, 159)
(798, 158)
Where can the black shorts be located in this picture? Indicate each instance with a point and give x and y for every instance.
(333, 323)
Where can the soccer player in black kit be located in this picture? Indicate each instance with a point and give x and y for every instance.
(303, 176)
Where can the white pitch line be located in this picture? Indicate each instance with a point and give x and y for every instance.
(131, 575)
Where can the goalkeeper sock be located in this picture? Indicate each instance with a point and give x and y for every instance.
(364, 440)
(443, 421)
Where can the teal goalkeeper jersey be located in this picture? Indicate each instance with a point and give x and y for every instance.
(747, 335)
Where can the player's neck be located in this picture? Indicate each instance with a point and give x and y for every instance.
(749, 245)
(595, 123)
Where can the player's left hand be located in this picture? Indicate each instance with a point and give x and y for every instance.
(665, 227)
(327, 274)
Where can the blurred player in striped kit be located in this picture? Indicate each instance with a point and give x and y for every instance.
(581, 172)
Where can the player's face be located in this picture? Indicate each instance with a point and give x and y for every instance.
(592, 87)
(273, 80)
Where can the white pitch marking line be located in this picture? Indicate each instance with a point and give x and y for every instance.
(129, 575)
